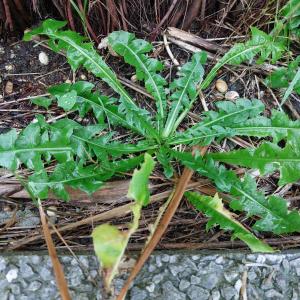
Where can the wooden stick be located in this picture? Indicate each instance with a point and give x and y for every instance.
(58, 270)
(161, 228)
(194, 40)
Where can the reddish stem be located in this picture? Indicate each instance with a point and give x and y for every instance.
(88, 26)
(8, 21)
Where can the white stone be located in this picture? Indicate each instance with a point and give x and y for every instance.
(150, 288)
(11, 275)
(232, 95)
(184, 284)
(9, 67)
(43, 58)
(83, 77)
(238, 285)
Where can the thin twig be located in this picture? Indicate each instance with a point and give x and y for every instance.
(57, 267)
(174, 60)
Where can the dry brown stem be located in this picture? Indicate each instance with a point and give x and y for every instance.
(58, 270)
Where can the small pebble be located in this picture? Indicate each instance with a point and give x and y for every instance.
(9, 87)
(232, 95)
(83, 77)
(7, 208)
(68, 81)
(221, 86)
(51, 211)
(11, 275)
(133, 78)
(9, 67)
(103, 44)
(43, 58)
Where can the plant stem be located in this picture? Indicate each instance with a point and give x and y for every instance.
(161, 228)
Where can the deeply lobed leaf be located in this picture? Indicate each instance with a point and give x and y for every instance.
(222, 123)
(134, 52)
(283, 77)
(261, 46)
(33, 146)
(88, 179)
(273, 218)
(82, 53)
(218, 214)
(267, 158)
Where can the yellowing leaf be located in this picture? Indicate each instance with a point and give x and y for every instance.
(109, 244)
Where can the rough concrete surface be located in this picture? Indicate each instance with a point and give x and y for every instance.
(167, 276)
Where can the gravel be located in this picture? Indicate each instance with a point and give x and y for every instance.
(167, 276)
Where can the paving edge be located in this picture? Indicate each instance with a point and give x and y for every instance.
(168, 275)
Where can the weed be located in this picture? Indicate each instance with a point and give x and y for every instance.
(86, 156)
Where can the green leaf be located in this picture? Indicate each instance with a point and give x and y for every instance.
(164, 157)
(291, 17)
(88, 179)
(109, 242)
(260, 45)
(295, 84)
(245, 195)
(67, 100)
(267, 158)
(221, 124)
(273, 210)
(282, 77)
(8, 158)
(30, 145)
(139, 184)
(279, 127)
(184, 89)
(42, 101)
(133, 50)
(214, 209)
(82, 53)
(102, 106)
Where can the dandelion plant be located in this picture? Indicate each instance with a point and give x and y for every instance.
(87, 156)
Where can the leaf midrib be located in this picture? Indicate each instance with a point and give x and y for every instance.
(116, 82)
(49, 183)
(108, 146)
(150, 76)
(37, 149)
(265, 208)
(216, 121)
(169, 124)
